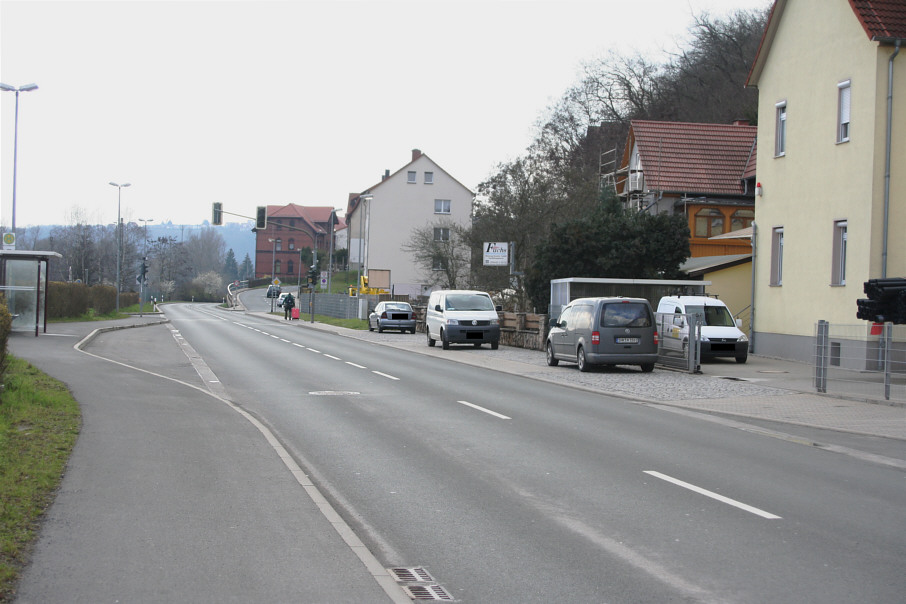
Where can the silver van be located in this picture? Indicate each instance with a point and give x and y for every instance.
(604, 331)
(462, 317)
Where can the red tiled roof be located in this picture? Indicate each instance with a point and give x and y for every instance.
(882, 19)
(312, 215)
(693, 158)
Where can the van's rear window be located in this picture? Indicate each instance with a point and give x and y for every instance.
(626, 314)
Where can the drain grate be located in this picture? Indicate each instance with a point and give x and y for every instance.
(411, 575)
(427, 592)
(418, 583)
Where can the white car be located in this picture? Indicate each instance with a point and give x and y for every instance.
(721, 336)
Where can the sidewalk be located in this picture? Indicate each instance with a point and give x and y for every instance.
(762, 388)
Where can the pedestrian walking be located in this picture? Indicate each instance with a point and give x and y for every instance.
(288, 304)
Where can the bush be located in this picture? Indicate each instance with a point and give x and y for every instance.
(67, 299)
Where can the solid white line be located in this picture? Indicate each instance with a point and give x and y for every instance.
(488, 411)
(713, 495)
(355, 365)
(389, 377)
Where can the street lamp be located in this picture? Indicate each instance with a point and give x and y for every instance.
(273, 269)
(119, 237)
(17, 90)
(141, 283)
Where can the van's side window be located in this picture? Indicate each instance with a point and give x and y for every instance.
(583, 318)
(564, 316)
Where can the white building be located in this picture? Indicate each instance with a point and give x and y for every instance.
(381, 218)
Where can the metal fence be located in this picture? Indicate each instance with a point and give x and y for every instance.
(866, 360)
(678, 347)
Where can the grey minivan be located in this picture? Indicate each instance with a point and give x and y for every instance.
(604, 331)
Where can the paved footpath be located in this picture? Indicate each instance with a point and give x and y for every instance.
(174, 495)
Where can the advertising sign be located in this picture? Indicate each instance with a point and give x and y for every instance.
(496, 253)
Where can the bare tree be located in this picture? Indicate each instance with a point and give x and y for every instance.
(442, 253)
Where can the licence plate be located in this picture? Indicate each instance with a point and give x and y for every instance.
(627, 340)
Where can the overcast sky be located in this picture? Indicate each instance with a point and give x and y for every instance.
(252, 103)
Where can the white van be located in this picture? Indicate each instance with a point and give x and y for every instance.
(721, 336)
(462, 317)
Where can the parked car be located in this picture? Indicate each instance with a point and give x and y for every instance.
(273, 291)
(604, 331)
(392, 315)
(462, 316)
(721, 336)
(281, 298)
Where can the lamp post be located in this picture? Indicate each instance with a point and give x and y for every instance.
(119, 235)
(17, 90)
(141, 283)
(273, 269)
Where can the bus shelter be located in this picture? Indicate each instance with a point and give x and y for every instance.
(23, 283)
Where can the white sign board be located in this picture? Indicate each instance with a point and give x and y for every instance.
(496, 253)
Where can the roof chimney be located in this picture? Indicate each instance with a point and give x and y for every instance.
(416, 153)
(386, 175)
(740, 122)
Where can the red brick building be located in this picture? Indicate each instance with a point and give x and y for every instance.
(290, 229)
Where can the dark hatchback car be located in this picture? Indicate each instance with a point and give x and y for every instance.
(392, 315)
(604, 331)
(273, 291)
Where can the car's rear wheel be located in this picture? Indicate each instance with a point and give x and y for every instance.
(495, 345)
(551, 359)
(647, 367)
(379, 328)
(581, 361)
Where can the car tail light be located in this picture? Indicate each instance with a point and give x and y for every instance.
(595, 337)
(384, 315)
(655, 337)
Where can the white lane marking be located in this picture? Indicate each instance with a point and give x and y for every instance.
(355, 365)
(389, 377)
(713, 495)
(299, 345)
(330, 356)
(313, 350)
(284, 340)
(483, 410)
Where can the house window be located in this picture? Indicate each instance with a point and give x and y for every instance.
(843, 104)
(429, 178)
(440, 263)
(780, 130)
(289, 267)
(777, 256)
(838, 262)
(292, 244)
(279, 225)
(277, 266)
(411, 177)
(441, 206)
(709, 222)
(278, 245)
(741, 219)
(441, 234)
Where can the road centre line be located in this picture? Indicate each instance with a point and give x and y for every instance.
(713, 495)
(356, 365)
(330, 356)
(285, 340)
(389, 377)
(483, 410)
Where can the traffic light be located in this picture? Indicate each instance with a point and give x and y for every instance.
(217, 213)
(144, 271)
(261, 217)
(312, 275)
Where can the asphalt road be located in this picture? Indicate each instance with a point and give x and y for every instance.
(514, 490)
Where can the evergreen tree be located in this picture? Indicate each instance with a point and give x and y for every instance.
(230, 268)
(247, 270)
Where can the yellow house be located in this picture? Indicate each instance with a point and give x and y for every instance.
(831, 205)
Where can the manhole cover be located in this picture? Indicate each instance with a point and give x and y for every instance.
(427, 592)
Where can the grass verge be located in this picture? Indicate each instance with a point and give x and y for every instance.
(39, 424)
